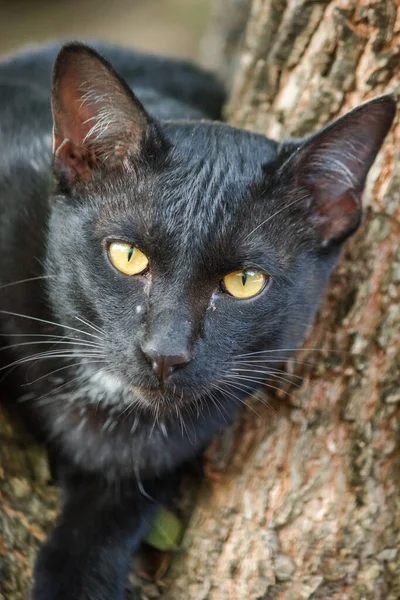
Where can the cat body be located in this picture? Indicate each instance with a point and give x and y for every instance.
(126, 377)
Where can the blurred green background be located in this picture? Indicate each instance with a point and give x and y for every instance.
(165, 26)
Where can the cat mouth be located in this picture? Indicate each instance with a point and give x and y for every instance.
(159, 396)
(153, 389)
(147, 391)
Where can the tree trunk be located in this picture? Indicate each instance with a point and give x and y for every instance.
(28, 506)
(303, 501)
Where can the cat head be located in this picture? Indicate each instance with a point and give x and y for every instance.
(190, 246)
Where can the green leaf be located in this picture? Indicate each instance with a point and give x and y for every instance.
(166, 531)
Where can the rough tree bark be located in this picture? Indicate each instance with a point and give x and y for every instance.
(302, 502)
(28, 506)
(306, 501)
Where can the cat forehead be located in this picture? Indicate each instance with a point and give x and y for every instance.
(204, 181)
(211, 169)
(201, 199)
(220, 147)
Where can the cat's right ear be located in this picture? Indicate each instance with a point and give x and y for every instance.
(97, 120)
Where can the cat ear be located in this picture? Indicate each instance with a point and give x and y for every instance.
(334, 163)
(97, 120)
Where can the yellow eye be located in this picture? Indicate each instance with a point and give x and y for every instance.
(127, 259)
(244, 284)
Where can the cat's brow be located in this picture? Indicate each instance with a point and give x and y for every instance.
(298, 200)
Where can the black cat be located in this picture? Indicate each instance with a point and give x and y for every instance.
(145, 277)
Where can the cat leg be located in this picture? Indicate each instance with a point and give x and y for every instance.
(88, 554)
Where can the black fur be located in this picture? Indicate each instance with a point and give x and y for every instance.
(200, 199)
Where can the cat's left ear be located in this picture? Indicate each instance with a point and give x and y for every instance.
(97, 119)
(333, 165)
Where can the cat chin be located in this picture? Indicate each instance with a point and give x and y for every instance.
(158, 402)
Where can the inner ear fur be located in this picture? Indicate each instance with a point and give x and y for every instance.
(333, 165)
(96, 117)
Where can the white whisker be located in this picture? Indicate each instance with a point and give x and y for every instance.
(277, 351)
(261, 382)
(54, 343)
(264, 376)
(13, 314)
(218, 405)
(266, 371)
(88, 324)
(267, 361)
(236, 399)
(7, 285)
(51, 355)
(250, 393)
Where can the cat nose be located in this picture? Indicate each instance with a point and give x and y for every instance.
(165, 365)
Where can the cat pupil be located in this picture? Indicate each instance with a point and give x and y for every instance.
(130, 253)
(244, 278)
